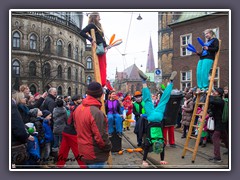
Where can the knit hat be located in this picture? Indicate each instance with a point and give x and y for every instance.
(137, 93)
(220, 91)
(33, 112)
(45, 113)
(30, 127)
(94, 89)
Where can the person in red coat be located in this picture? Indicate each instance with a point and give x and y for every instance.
(69, 138)
(128, 107)
(92, 129)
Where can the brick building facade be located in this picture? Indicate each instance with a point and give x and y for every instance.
(177, 28)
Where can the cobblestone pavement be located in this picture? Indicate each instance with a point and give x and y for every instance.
(172, 155)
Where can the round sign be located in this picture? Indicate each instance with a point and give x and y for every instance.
(158, 72)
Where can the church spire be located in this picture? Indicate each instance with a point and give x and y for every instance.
(150, 68)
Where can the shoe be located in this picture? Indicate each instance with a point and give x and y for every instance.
(203, 145)
(145, 164)
(119, 135)
(142, 75)
(124, 129)
(109, 135)
(215, 160)
(163, 162)
(225, 153)
(128, 128)
(174, 73)
(173, 145)
(44, 166)
(183, 137)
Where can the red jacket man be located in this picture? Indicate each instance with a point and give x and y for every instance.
(92, 130)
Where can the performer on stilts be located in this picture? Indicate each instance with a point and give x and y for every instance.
(94, 23)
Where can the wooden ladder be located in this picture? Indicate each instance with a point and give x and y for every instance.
(97, 77)
(202, 115)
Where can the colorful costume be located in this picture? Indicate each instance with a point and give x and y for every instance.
(205, 64)
(128, 107)
(156, 114)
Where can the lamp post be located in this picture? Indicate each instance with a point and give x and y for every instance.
(139, 17)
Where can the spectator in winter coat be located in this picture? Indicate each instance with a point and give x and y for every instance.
(187, 111)
(21, 103)
(48, 136)
(112, 107)
(49, 103)
(19, 133)
(216, 104)
(35, 118)
(59, 123)
(92, 128)
(69, 137)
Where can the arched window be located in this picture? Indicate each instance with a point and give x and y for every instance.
(33, 89)
(16, 40)
(59, 72)
(59, 48)
(59, 90)
(69, 91)
(76, 75)
(81, 55)
(15, 68)
(69, 51)
(89, 63)
(32, 68)
(69, 73)
(76, 54)
(47, 70)
(89, 80)
(47, 47)
(33, 42)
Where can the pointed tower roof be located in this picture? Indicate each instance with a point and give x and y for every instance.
(150, 68)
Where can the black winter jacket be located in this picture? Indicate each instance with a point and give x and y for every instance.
(216, 104)
(19, 133)
(99, 38)
(49, 103)
(212, 50)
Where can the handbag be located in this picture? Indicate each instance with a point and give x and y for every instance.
(100, 49)
(19, 154)
(210, 123)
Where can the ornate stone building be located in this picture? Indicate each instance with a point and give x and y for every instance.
(47, 51)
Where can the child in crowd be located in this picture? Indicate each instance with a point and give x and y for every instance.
(187, 111)
(128, 107)
(35, 118)
(33, 148)
(48, 136)
(59, 122)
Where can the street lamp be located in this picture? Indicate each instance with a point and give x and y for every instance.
(139, 17)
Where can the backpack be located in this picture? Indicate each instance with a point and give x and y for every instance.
(155, 136)
(225, 114)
